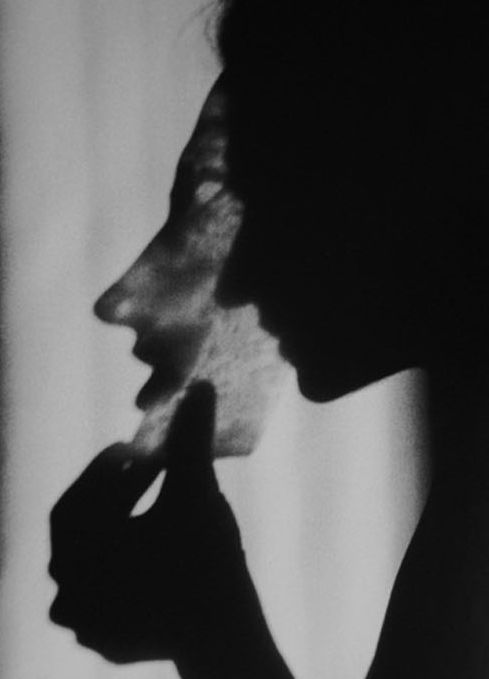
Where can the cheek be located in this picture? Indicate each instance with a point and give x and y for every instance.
(243, 363)
(181, 298)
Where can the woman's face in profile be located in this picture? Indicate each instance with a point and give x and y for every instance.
(168, 298)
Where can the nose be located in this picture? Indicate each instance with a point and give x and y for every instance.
(113, 306)
(125, 302)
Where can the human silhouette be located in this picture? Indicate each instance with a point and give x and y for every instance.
(358, 145)
(172, 583)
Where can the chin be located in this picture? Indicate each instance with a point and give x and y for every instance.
(313, 389)
(244, 364)
(236, 435)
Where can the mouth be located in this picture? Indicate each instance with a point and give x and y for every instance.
(172, 357)
(161, 385)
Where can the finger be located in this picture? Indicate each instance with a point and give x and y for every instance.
(94, 483)
(190, 440)
(112, 482)
(137, 475)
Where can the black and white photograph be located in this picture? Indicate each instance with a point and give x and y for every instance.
(244, 351)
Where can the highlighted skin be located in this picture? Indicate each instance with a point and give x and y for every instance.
(169, 297)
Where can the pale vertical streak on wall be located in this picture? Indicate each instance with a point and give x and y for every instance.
(269, 506)
(327, 505)
(360, 514)
(46, 209)
(99, 99)
(75, 96)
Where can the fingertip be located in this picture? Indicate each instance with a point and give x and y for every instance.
(200, 400)
(192, 430)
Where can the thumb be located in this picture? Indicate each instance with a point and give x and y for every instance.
(190, 440)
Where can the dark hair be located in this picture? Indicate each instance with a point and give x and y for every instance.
(368, 120)
(307, 62)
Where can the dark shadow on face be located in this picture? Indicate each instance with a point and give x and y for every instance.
(358, 151)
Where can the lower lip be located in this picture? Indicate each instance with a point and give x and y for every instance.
(159, 388)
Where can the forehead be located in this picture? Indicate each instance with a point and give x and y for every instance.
(205, 215)
(205, 151)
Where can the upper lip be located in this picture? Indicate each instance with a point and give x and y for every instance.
(150, 350)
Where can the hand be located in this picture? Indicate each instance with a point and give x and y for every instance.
(171, 583)
(146, 587)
